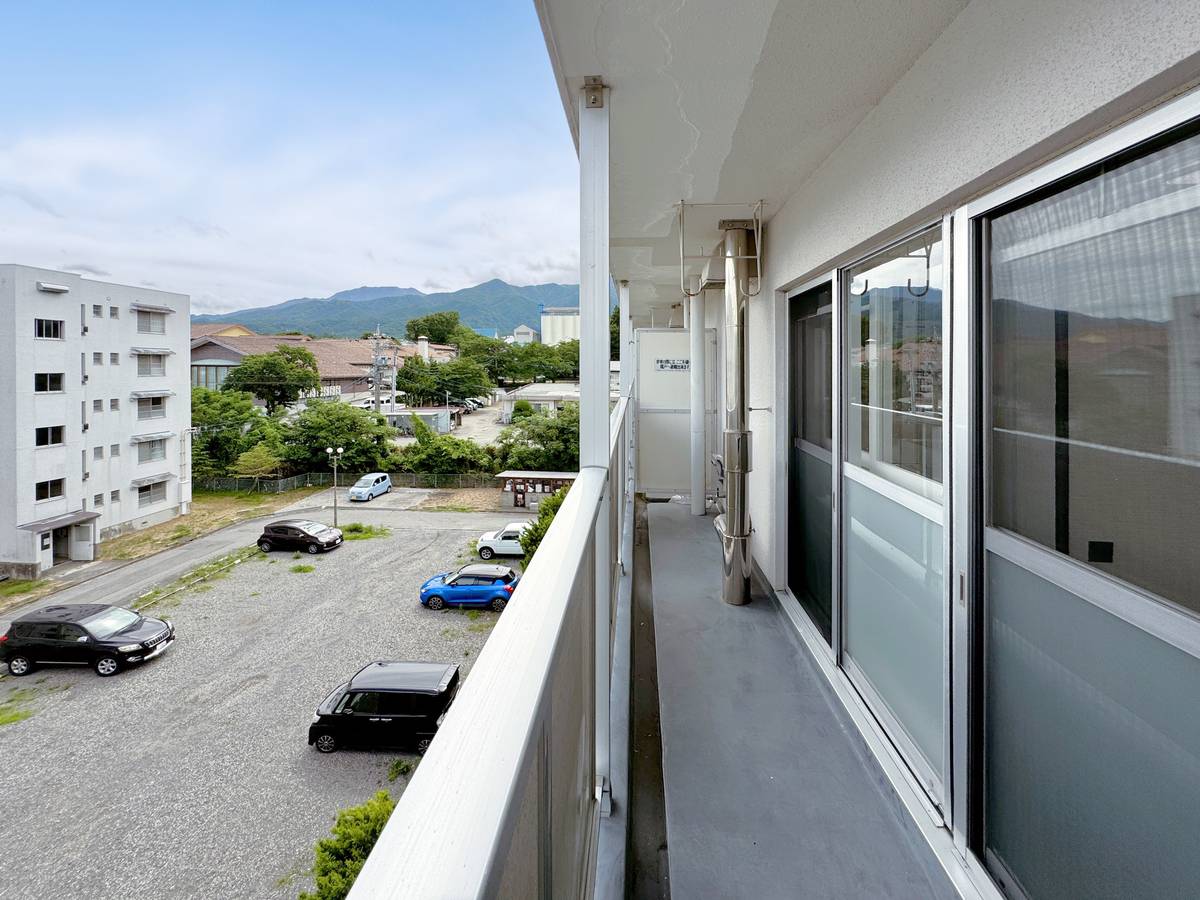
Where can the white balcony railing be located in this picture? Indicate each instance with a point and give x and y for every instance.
(505, 802)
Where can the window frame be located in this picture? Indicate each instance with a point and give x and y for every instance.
(38, 326)
(161, 370)
(62, 376)
(50, 482)
(49, 430)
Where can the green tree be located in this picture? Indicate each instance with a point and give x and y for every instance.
(531, 537)
(364, 436)
(441, 453)
(228, 424)
(439, 327)
(415, 379)
(521, 409)
(542, 442)
(426, 382)
(567, 354)
(278, 378)
(496, 357)
(258, 462)
(536, 361)
(614, 334)
(340, 858)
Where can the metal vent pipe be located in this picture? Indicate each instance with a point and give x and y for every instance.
(734, 524)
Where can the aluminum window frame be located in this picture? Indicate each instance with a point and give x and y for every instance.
(975, 538)
(935, 509)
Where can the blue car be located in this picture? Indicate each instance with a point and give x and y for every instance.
(473, 585)
(371, 486)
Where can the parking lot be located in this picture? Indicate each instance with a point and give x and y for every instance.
(191, 776)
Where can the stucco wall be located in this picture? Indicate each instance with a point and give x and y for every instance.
(1007, 85)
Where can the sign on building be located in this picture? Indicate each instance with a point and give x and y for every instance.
(672, 365)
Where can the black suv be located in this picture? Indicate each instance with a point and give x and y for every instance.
(387, 704)
(298, 534)
(107, 638)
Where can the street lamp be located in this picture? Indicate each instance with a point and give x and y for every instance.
(334, 456)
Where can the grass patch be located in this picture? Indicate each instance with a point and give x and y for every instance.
(449, 632)
(15, 588)
(302, 568)
(210, 511)
(357, 531)
(16, 706)
(296, 554)
(472, 614)
(399, 767)
(482, 627)
(449, 507)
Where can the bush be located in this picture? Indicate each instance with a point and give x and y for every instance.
(341, 857)
(531, 537)
(443, 454)
(521, 409)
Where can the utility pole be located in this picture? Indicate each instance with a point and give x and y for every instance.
(334, 456)
(376, 368)
(395, 373)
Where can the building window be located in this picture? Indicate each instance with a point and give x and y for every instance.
(151, 322)
(48, 490)
(114, 359)
(97, 406)
(210, 376)
(46, 540)
(152, 493)
(114, 312)
(48, 382)
(97, 311)
(49, 436)
(152, 364)
(48, 329)
(114, 450)
(97, 359)
(97, 453)
(894, 400)
(114, 496)
(114, 404)
(149, 451)
(152, 407)
(98, 500)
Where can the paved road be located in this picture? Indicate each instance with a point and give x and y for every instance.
(191, 776)
(122, 585)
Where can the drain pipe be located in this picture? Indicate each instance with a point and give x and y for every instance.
(696, 392)
(734, 524)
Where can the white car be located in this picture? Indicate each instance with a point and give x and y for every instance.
(505, 542)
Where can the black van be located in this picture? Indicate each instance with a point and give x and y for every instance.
(386, 705)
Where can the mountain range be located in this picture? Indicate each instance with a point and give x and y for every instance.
(492, 306)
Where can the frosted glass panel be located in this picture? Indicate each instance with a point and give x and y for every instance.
(893, 611)
(1093, 747)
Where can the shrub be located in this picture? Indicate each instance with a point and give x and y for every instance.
(521, 409)
(531, 537)
(341, 857)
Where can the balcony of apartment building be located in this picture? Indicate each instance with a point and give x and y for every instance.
(873, 583)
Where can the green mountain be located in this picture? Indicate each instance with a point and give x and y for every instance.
(493, 305)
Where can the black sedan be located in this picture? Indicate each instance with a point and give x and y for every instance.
(299, 534)
(107, 638)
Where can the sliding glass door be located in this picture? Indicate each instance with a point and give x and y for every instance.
(892, 522)
(1091, 565)
(810, 504)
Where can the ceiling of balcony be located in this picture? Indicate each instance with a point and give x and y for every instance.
(724, 102)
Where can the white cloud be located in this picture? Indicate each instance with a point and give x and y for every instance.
(206, 205)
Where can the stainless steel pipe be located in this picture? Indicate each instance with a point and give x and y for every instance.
(734, 524)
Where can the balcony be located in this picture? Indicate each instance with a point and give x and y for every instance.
(766, 784)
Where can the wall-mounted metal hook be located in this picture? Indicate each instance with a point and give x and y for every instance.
(922, 293)
(863, 292)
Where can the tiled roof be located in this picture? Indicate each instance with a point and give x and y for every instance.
(204, 329)
(336, 357)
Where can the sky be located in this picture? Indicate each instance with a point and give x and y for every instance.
(248, 153)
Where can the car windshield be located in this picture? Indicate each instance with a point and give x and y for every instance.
(365, 481)
(106, 624)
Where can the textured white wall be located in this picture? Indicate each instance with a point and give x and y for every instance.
(1008, 84)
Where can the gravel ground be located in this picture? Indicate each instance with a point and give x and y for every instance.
(191, 776)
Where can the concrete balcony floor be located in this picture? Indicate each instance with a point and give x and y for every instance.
(769, 789)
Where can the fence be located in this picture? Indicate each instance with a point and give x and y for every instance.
(399, 479)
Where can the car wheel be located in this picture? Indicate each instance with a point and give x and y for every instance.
(422, 745)
(326, 743)
(107, 665)
(498, 604)
(19, 665)
(389, 489)
(435, 603)
(486, 552)
(264, 546)
(313, 548)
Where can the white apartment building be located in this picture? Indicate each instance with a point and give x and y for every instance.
(94, 435)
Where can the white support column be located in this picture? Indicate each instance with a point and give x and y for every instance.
(627, 357)
(698, 404)
(594, 281)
